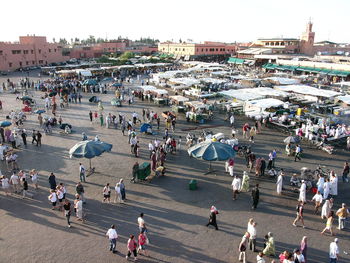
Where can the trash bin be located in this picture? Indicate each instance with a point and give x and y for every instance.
(144, 171)
(193, 184)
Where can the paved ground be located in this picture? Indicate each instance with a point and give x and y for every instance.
(32, 232)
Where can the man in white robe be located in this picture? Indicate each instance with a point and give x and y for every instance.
(279, 183)
(334, 185)
(302, 192)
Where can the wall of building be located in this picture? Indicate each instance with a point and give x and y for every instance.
(191, 49)
(323, 65)
(30, 51)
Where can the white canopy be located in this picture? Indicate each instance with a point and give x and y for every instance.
(345, 99)
(343, 83)
(179, 98)
(147, 88)
(185, 81)
(160, 91)
(308, 90)
(266, 92)
(283, 81)
(265, 103)
(84, 73)
(239, 95)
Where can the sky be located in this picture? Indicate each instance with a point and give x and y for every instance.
(197, 20)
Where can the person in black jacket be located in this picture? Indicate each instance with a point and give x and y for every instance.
(255, 196)
(212, 217)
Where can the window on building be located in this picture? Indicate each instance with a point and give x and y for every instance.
(10, 65)
(282, 43)
(39, 51)
(49, 50)
(206, 49)
(27, 63)
(41, 61)
(55, 50)
(25, 51)
(16, 52)
(217, 49)
(32, 51)
(183, 49)
(175, 49)
(202, 49)
(20, 64)
(0, 52)
(33, 62)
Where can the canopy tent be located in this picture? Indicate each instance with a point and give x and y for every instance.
(331, 72)
(345, 99)
(84, 73)
(239, 95)
(308, 90)
(266, 92)
(237, 61)
(160, 92)
(179, 98)
(147, 88)
(262, 104)
(283, 81)
(188, 82)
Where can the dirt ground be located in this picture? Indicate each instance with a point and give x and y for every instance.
(176, 217)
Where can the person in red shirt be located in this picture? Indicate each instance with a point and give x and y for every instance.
(143, 241)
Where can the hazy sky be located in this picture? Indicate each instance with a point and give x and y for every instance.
(199, 20)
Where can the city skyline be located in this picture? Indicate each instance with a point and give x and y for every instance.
(225, 21)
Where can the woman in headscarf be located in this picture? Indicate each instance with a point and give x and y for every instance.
(303, 247)
(245, 182)
(269, 250)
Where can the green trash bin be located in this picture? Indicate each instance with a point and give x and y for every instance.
(193, 184)
(144, 171)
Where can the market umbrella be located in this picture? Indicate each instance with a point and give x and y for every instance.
(24, 98)
(211, 151)
(39, 111)
(115, 102)
(90, 82)
(117, 85)
(93, 99)
(107, 80)
(5, 124)
(291, 139)
(89, 149)
(52, 93)
(63, 126)
(144, 127)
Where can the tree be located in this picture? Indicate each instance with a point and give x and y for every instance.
(126, 55)
(54, 40)
(63, 41)
(76, 40)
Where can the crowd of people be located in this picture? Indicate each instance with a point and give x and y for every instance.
(69, 91)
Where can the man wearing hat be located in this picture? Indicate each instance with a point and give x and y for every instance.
(334, 251)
